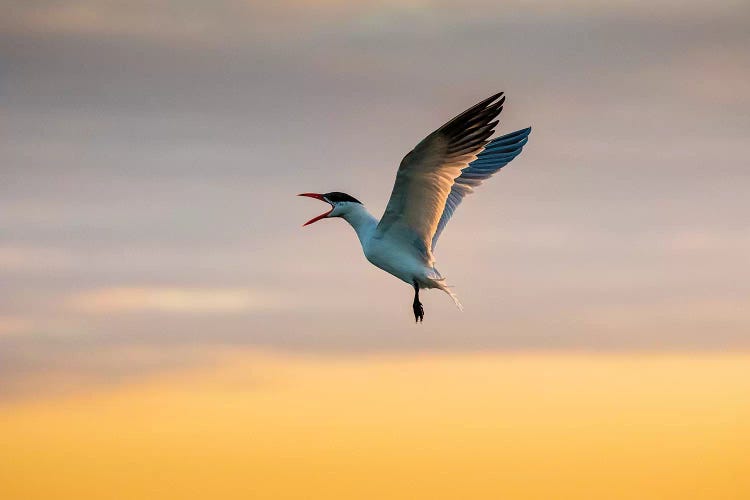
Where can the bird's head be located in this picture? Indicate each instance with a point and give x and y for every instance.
(341, 204)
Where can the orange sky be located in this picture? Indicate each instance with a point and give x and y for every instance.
(168, 330)
(428, 426)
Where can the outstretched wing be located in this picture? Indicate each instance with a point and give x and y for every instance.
(496, 154)
(426, 175)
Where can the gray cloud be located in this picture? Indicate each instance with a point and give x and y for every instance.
(159, 145)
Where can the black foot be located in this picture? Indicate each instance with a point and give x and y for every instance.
(418, 311)
(417, 305)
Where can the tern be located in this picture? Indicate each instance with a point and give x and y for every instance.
(431, 182)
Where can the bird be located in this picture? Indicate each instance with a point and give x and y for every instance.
(431, 182)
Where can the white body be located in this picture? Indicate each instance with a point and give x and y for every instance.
(394, 255)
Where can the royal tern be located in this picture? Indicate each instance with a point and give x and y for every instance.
(431, 182)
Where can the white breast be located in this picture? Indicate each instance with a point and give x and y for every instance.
(400, 261)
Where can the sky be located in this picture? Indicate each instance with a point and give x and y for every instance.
(151, 151)
(528, 426)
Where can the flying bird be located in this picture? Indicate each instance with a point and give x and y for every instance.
(431, 182)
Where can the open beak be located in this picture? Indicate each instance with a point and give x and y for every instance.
(321, 216)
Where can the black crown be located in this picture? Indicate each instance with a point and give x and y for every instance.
(336, 197)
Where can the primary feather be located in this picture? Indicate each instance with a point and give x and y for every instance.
(427, 174)
(495, 155)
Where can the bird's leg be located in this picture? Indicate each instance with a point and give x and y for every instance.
(417, 305)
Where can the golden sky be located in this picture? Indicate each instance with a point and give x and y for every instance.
(269, 426)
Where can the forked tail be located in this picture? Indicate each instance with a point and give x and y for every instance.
(447, 289)
(440, 283)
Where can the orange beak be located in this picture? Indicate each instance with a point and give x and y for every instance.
(321, 216)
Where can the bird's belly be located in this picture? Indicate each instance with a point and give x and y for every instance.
(395, 261)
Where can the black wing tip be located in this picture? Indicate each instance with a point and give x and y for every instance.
(494, 100)
(488, 100)
(495, 96)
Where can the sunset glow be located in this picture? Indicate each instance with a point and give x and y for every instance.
(427, 426)
(169, 331)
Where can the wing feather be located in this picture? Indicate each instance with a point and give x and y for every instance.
(427, 174)
(495, 155)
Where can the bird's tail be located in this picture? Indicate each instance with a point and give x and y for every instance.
(439, 282)
(446, 289)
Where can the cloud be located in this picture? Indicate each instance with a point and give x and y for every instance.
(12, 325)
(39, 364)
(17, 258)
(169, 300)
(161, 142)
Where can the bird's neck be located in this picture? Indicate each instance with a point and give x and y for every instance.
(362, 221)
